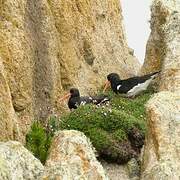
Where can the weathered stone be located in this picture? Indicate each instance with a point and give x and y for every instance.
(48, 46)
(171, 66)
(162, 148)
(9, 128)
(163, 50)
(131, 51)
(115, 171)
(133, 169)
(161, 160)
(72, 157)
(16, 162)
(29, 52)
(91, 36)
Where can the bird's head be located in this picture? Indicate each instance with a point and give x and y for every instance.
(72, 93)
(111, 78)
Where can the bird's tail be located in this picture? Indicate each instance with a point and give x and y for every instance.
(153, 75)
(100, 99)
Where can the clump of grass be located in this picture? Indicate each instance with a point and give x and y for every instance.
(38, 141)
(117, 130)
(134, 106)
(120, 135)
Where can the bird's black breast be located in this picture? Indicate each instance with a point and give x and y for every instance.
(74, 102)
(114, 86)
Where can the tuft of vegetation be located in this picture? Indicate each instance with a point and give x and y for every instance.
(116, 130)
(38, 141)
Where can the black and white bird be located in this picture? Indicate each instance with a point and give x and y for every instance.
(75, 100)
(129, 87)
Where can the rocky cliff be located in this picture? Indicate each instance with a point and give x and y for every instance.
(161, 159)
(47, 47)
(163, 50)
(8, 120)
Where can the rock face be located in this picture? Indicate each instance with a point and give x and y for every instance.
(163, 50)
(162, 149)
(16, 162)
(9, 128)
(92, 42)
(72, 157)
(48, 46)
(28, 50)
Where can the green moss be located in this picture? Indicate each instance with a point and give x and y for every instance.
(120, 135)
(109, 127)
(99, 138)
(116, 130)
(105, 118)
(133, 106)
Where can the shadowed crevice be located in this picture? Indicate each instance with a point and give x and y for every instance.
(42, 69)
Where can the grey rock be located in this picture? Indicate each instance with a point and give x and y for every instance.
(72, 157)
(17, 163)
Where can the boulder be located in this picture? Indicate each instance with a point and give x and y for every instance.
(16, 162)
(161, 160)
(72, 157)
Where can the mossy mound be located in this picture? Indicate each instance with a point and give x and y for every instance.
(117, 130)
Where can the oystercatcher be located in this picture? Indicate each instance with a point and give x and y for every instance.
(75, 100)
(129, 87)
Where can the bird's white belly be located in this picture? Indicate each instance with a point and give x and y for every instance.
(83, 103)
(138, 88)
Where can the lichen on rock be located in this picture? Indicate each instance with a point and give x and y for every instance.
(161, 156)
(16, 162)
(163, 50)
(9, 127)
(72, 157)
(161, 151)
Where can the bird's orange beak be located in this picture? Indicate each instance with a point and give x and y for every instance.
(107, 84)
(65, 97)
